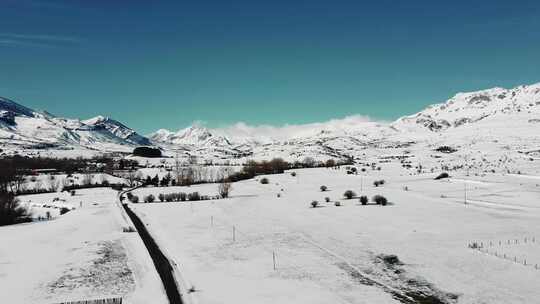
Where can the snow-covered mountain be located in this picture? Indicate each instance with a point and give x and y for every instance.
(22, 128)
(522, 102)
(490, 121)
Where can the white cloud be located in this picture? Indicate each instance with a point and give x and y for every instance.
(240, 130)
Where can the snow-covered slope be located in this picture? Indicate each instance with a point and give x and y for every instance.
(521, 103)
(22, 128)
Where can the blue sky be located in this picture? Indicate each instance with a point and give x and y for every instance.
(165, 64)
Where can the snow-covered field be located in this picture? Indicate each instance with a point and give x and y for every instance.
(486, 140)
(80, 255)
(332, 254)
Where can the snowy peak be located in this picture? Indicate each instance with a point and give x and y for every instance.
(117, 129)
(193, 135)
(471, 107)
(23, 127)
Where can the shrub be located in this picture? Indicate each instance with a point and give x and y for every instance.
(265, 181)
(224, 189)
(327, 199)
(64, 210)
(129, 195)
(181, 196)
(314, 204)
(364, 200)
(442, 175)
(324, 188)
(134, 199)
(380, 200)
(149, 198)
(194, 196)
(72, 192)
(161, 197)
(128, 229)
(376, 183)
(293, 174)
(337, 203)
(349, 194)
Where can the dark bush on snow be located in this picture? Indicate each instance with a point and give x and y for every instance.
(380, 200)
(378, 183)
(194, 196)
(364, 200)
(446, 149)
(324, 188)
(265, 181)
(314, 204)
(327, 199)
(64, 210)
(442, 175)
(149, 198)
(349, 194)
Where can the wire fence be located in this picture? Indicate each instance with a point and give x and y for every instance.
(510, 250)
(96, 301)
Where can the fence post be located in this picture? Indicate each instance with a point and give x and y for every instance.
(274, 259)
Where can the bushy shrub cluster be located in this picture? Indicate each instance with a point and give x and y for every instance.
(378, 183)
(149, 198)
(264, 181)
(349, 194)
(364, 200)
(324, 188)
(177, 197)
(380, 200)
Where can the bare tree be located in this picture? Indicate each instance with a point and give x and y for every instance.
(225, 186)
(38, 185)
(131, 177)
(87, 178)
(10, 210)
(54, 184)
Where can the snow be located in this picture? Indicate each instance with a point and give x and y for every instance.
(327, 254)
(318, 248)
(80, 255)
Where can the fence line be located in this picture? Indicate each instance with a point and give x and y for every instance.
(96, 301)
(482, 247)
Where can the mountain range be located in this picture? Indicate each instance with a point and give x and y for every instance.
(493, 120)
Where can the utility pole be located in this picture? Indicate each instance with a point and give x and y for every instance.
(465, 192)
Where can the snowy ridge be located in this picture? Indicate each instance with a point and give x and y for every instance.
(466, 108)
(480, 119)
(22, 128)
